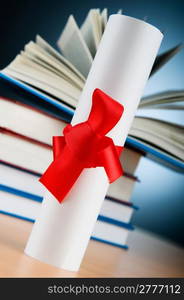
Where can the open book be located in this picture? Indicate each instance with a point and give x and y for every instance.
(59, 77)
(63, 76)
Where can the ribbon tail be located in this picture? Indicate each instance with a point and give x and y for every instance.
(62, 174)
(58, 145)
(119, 150)
(109, 159)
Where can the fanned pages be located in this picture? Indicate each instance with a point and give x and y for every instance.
(63, 77)
(91, 30)
(168, 99)
(104, 18)
(168, 136)
(44, 45)
(34, 75)
(163, 58)
(79, 55)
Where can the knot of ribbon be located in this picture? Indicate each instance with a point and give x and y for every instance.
(85, 146)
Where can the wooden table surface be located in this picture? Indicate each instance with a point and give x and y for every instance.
(148, 256)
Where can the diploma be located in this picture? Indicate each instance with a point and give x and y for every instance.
(121, 68)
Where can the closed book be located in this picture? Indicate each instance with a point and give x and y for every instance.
(17, 203)
(37, 126)
(26, 185)
(35, 156)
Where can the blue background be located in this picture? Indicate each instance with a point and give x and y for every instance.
(160, 193)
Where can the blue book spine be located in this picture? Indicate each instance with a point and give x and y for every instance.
(35, 92)
(20, 193)
(153, 152)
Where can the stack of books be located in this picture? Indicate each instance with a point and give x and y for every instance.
(26, 151)
(50, 84)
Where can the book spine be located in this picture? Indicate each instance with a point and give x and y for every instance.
(38, 198)
(69, 111)
(20, 193)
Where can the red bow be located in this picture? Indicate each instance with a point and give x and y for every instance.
(85, 146)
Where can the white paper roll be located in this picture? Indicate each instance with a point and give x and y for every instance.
(121, 68)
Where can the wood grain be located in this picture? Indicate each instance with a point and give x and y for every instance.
(148, 256)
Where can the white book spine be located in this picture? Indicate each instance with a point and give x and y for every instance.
(121, 68)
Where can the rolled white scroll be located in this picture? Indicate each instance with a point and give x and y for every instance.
(121, 68)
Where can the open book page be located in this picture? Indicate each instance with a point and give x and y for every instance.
(165, 145)
(74, 48)
(163, 58)
(26, 55)
(43, 86)
(167, 115)
(177, 105)
(163, 99)
(40, 54)
(165, 135)
(37, 76)
(48, 48)
(99, 21)
(104, 18)
(91, 30)
(168, 130)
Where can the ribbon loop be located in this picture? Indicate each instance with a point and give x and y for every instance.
(85, 146)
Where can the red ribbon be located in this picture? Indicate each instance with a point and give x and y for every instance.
(85, 146)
